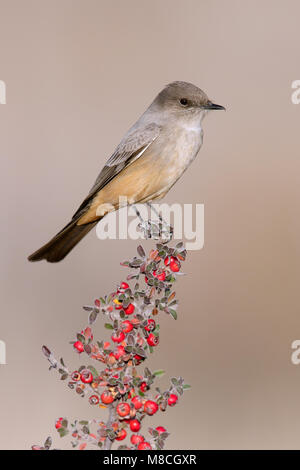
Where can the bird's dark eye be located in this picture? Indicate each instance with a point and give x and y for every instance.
(184, 101)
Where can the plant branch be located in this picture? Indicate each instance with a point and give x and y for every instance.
(111, 418)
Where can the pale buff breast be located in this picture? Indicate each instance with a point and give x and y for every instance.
(151, 175)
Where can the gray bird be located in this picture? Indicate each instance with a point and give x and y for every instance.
(151, 157)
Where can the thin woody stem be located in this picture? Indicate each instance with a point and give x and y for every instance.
(152, 209)
(138, 214)
(111, 418)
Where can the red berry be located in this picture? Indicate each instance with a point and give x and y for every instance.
(161, 277)
(138, 358)
(124, 285)
(107, 398)
(160, 429)
(136, 439)
(150, 407)
(172, 400)
(144, 446)
(137, 402)
(58, 424)
(130, 393)
(168, 260)
(120, 352)
(144, 387)
(79, 346)
(174, 265)
(130, 309)
(86, 376)
(152, 340)
(150, 324)
(118, 336)
(94, 400)
(135, 425)
(75, 376)
(121, 435)
(123, 409)
(127, 326)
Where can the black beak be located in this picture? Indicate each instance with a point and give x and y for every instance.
(211, 105)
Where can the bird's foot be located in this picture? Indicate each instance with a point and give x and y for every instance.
(157, 230)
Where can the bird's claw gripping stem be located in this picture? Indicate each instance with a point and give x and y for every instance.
(157, 230)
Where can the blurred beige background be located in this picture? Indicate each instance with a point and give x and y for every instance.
(78, 74)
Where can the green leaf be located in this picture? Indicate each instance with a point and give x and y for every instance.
(140, 352)
(48, 443)
(186, 387)
(93, 370)
(156, 330)
(159, 372)
(88, 308)
(63, 432)
(136, 381)
(173, 313)
(108, 326)
(46, 351)
(81, 338)
(141, 251)
(92, 317)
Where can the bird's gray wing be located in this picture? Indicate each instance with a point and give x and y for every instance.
(131, 147)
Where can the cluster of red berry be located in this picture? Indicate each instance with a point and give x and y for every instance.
(130, 313)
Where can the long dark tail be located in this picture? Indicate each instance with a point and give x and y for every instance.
(60, 245)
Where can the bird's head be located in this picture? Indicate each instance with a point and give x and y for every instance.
(185, 99)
